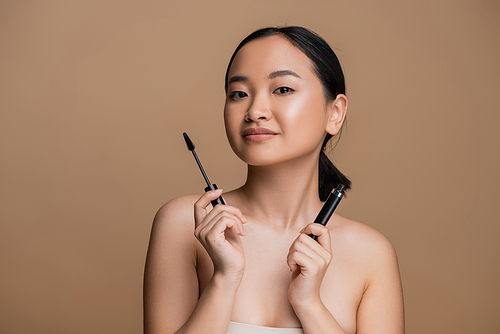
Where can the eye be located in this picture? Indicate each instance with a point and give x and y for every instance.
(238, 95)
(283, 90)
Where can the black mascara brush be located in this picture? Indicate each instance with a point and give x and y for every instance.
(210, 186)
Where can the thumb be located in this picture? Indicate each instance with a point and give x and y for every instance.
(200, 207)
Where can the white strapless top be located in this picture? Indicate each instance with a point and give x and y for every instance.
(240, 328)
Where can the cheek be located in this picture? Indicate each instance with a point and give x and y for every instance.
(231, 125)
(305, 119)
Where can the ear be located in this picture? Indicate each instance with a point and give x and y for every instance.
(336, 114)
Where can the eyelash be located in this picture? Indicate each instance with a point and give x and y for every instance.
(289, 90)
(237, 94)
(233, 95)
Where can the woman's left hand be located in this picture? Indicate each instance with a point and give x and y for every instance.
(308, 260)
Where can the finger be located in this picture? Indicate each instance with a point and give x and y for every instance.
(298, 246)
(321, 232)
(219, 210)
(200, 207)
(237, 212)
(315, 246)
(306, 245)
(296, 260)
(225, 223)
(307, 259)
(313, 250)
(290, 261)
(216, 233)
(236, 227)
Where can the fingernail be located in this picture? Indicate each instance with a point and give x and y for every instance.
(301, 231)
(218, 190)
(244, 218)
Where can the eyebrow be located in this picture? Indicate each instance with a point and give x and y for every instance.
(237, 78)
(272, 75)
(281, 73)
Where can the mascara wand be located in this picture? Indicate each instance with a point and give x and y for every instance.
(210, 186)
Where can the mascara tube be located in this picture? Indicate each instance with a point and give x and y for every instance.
(329, 207)
(219, 199)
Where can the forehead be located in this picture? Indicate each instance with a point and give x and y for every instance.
(269, 54)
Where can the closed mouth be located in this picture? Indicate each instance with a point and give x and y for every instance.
(258, 131)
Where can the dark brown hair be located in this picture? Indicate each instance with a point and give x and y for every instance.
(328, 69)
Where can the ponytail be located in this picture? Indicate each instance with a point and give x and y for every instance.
(329, 176)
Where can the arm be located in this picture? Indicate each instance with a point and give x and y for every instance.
(309, 260)
(381, 306)
(171, 296)
(381, 309)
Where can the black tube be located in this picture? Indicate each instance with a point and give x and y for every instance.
(329, 207)
(219, 199)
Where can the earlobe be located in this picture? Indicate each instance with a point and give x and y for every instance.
(336, 114)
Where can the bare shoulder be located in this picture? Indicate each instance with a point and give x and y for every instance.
(381, 307)
(365, 245)
(175, 217)
(170, 279)
(173, 226)
(172, 234)
(360, 237)
(180, 208)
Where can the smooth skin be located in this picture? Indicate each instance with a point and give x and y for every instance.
(252, 261)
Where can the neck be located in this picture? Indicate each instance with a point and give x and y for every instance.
(285, 194)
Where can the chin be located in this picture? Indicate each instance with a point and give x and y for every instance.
(264, 155)
(256, 159)
(262, 159)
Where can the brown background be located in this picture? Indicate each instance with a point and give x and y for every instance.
(94, 97)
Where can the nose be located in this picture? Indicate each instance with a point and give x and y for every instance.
(259, 109)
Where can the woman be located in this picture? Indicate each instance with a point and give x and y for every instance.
(250, 266)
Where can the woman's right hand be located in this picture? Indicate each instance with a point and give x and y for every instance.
(219, 232)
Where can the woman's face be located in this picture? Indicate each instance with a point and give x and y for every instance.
(275, 107)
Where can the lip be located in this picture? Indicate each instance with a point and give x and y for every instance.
(258, 134)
